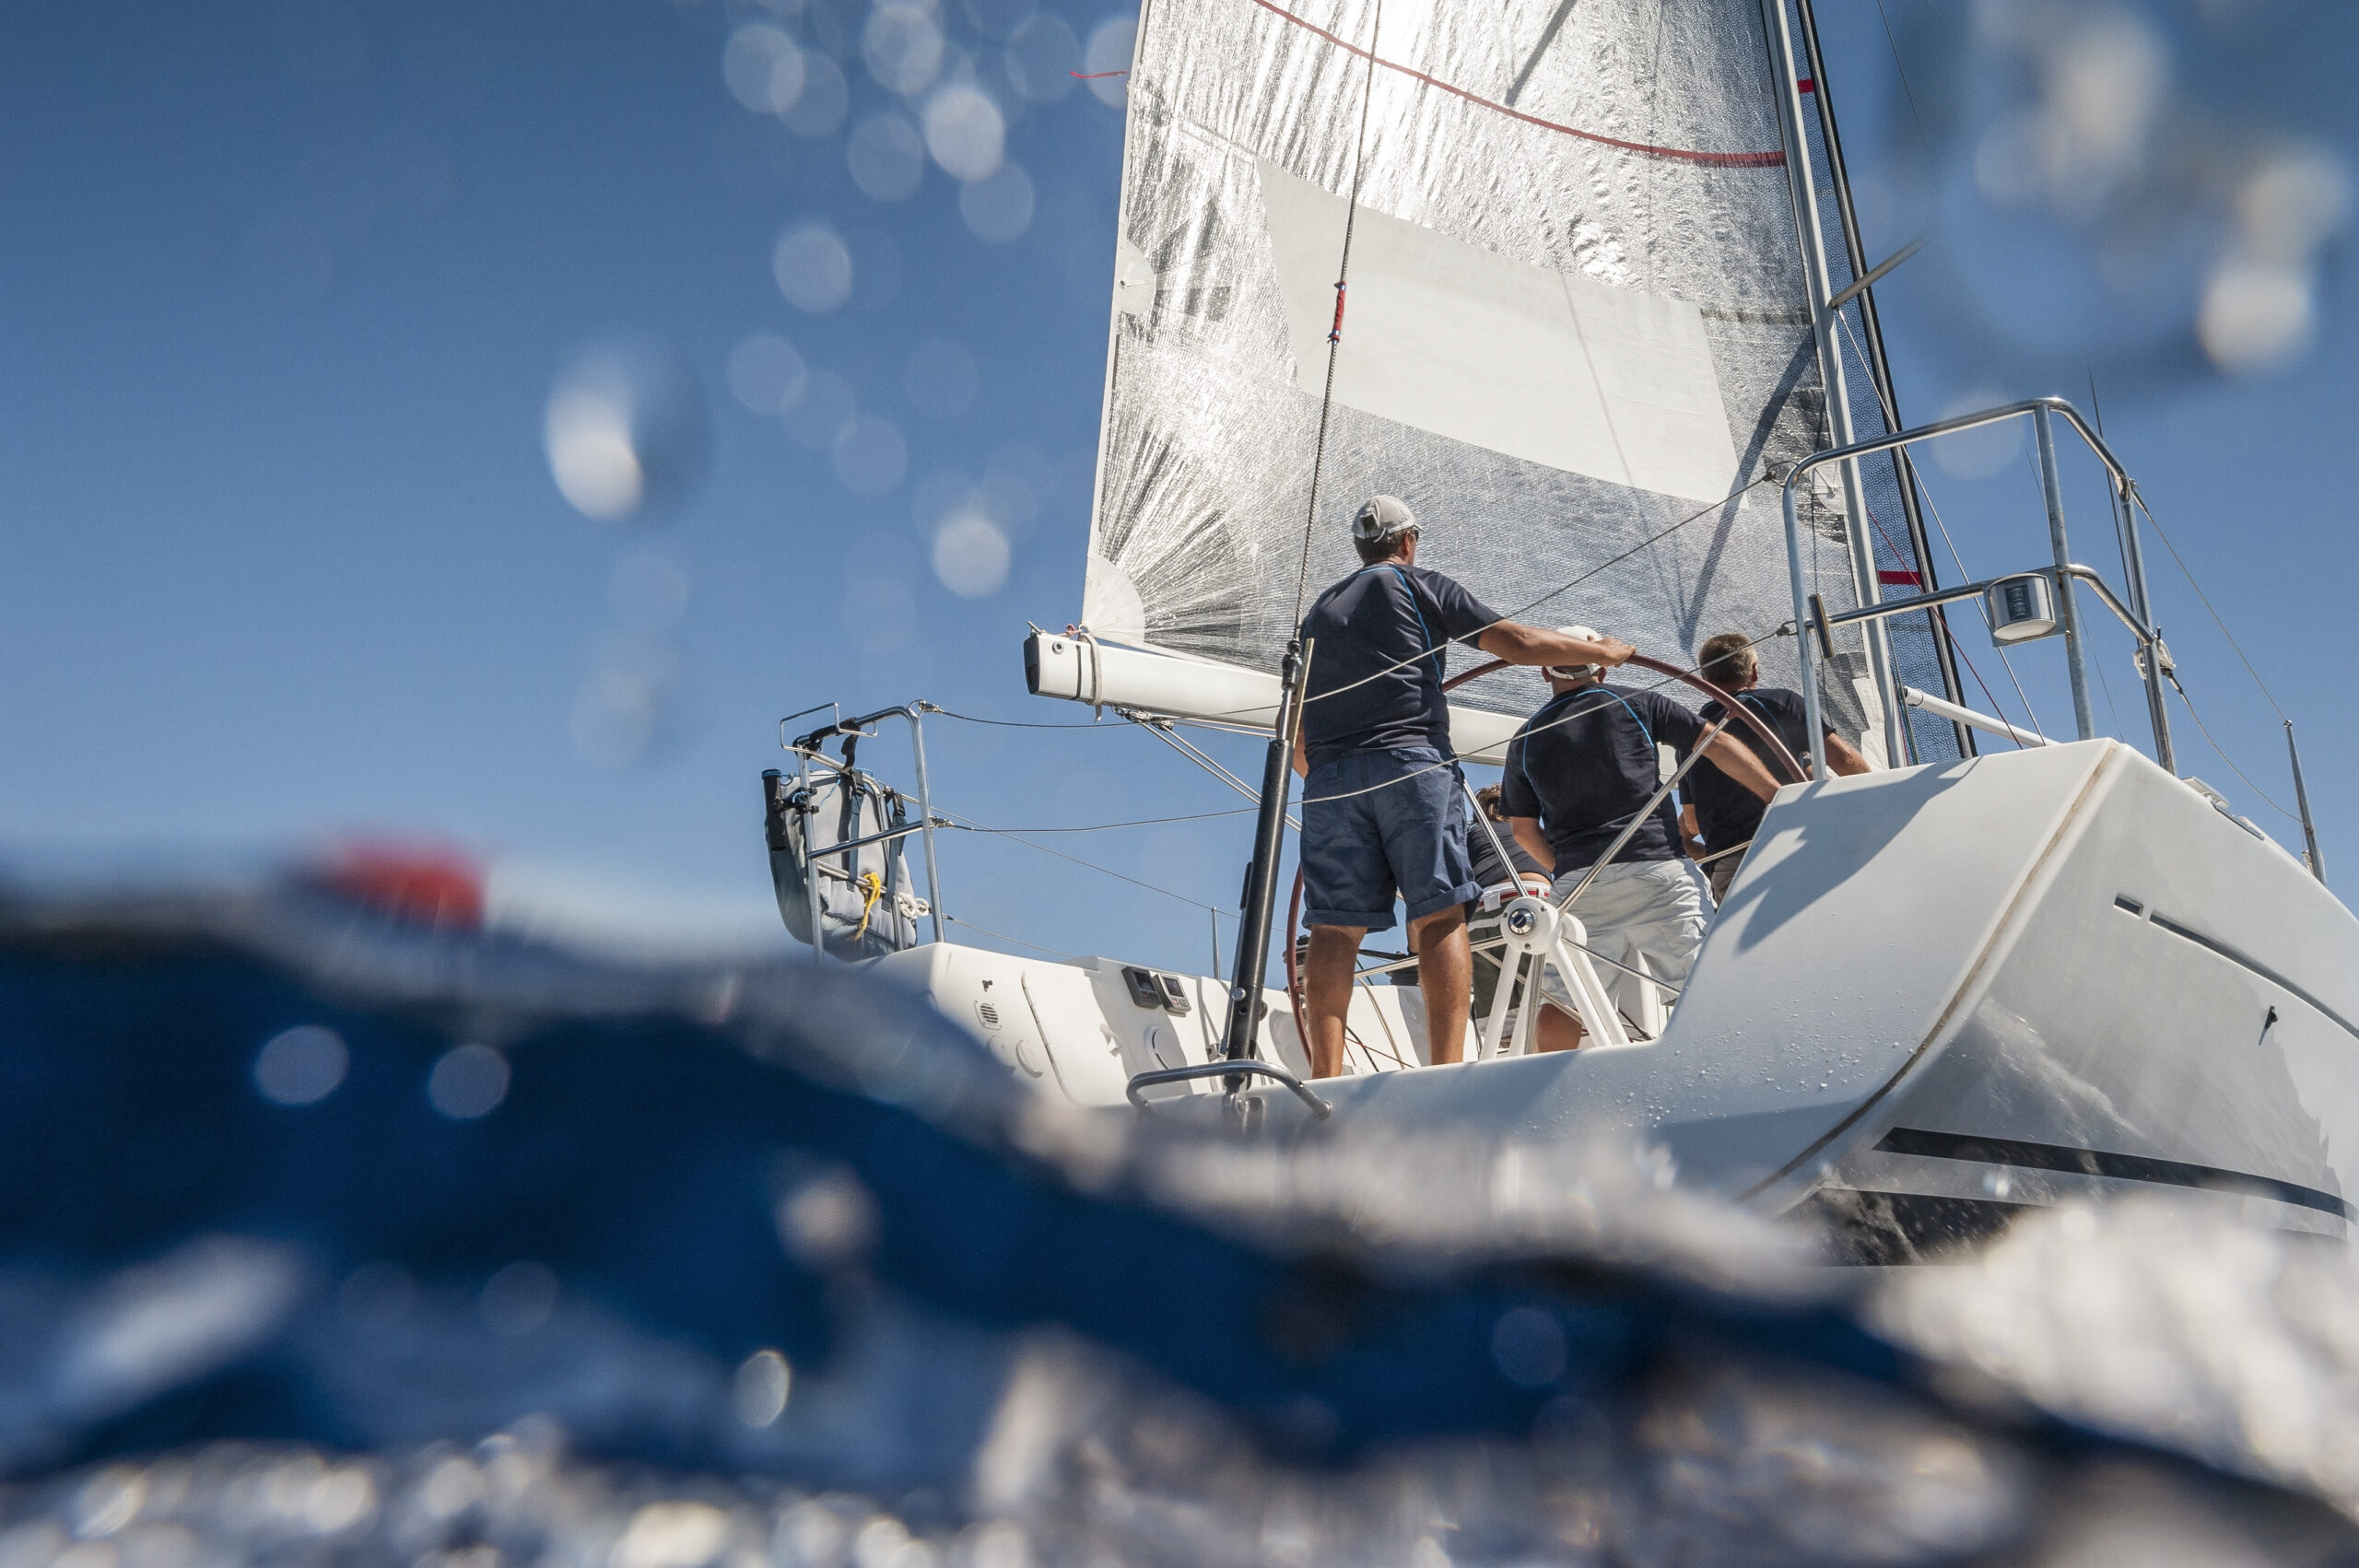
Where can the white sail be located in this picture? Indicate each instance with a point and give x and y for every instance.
(1575, 339)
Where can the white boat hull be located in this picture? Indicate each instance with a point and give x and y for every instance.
(1935, 995)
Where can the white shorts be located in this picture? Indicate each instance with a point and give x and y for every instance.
(1653, 906)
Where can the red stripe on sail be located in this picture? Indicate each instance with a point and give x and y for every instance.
(1736, 159)
(1899, 579)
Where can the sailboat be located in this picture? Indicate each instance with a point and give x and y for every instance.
(1584, 284)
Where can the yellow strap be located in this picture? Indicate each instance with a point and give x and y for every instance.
(872, 886)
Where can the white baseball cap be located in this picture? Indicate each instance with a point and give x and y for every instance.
(1383, 518)
(1575, 671)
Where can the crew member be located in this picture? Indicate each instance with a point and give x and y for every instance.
(1719, 814)
(1578, 773)
(1384, 806)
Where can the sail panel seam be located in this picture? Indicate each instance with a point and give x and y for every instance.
(1684, 155)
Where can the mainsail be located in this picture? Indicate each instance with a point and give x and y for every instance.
(1576, 337)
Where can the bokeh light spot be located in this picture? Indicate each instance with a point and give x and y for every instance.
(999, 21)
(764, 69)
(301, 1066)
(1981, 452)
(590, 456)
(902, 47)
(520, 1298)
(634, 697)
(1528, 1346)
(940, 378)
(814, 268)
(766, 373)
(825, 100)
(886, 157)
(672, 1535)
(964, 132)
(970, 555)
(817, 418)
(2254, 316)
(1111, 44)
(870, 456)
(468, 1082)
(1041, 58)
(760, 1389)
(625, 428)
(998, 208)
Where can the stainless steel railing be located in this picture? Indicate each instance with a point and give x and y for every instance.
(1811, 619)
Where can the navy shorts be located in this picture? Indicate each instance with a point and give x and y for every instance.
(1407, 838)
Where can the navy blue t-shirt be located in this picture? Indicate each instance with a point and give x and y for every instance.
(1585, 763)
(1368, 632)
(1726, 811)
(1489, 870)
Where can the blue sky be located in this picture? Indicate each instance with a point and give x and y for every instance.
(283, 292)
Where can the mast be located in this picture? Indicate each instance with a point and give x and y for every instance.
(1879, 368)
(1252, 964)
(1815, 286)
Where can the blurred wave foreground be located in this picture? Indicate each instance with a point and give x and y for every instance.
(329, 1235)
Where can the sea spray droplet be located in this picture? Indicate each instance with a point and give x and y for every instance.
(625, 429)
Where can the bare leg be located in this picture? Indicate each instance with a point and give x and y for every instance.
(1559, 1030)
(1446, 973)
(1326, 993)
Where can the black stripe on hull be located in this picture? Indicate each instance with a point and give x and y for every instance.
(2246, 961)
(1885, 1229)
(2096, 1163)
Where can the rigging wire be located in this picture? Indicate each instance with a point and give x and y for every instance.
(1916, 474)
(1091, 865)
(2106, 686)
(2005, 663)
(1335, 336)
(1012, 724)
(1002, 936)
(1562, 588)
(1165, 732)
(1141, 822)
(1657, 684)
(2187, 572)
(2221, 752)
(1924, 143)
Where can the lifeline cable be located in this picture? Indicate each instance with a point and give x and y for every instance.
(1090, 865)
(1336, 335)
(1742, 711)
(1002, 936)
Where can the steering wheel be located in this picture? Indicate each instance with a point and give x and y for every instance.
(1753, 722)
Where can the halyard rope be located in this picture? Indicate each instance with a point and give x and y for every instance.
(1336, 335)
